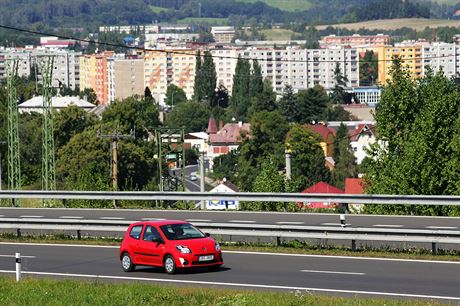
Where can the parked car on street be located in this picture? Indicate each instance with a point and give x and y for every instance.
(169, 244)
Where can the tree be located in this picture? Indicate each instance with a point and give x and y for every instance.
(225, 166)
(209, 79)
(241, 94)
(337, 113)
(148, 94)
(311, 104)
(70, 121)
(256, 84)
(133, 113)
(288, 105)
(418, 149)
(265, 100)
(368, 69)
(89, 95)
(268, 180)
(191, 116)
(308, 162)
(221, 97)
(268, 131)
(175, 95)
(345, 160)
(338, 95)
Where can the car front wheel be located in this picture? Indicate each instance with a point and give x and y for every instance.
(127, 263)
(169, 264)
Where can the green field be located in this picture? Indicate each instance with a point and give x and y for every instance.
(196, 20)
(286, 5)
(418, 24)
(158, 9)
(32, 291)
(277, 34)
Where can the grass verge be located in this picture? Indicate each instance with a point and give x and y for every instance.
(32, 291)
(291, 247)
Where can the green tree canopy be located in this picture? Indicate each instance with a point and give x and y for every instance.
(191, 116)
(241, 98)
(345, 160)
(175, 95)
(70, 121)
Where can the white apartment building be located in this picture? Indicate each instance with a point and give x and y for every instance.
(443, 56)
(125, 77)
(65, 64)
(225, 62)
(305, 68)
(223, 34)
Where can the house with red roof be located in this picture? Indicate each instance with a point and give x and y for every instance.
(327, 137)
(321, 187)
(354, 186)
(226, 138)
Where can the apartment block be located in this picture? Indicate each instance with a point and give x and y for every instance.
(411, 56)
(305, 68)
(225, 62)
(94, 74)
(223, 34)
(355, 40)
(125, 77)
(169, 66)
(30, 60)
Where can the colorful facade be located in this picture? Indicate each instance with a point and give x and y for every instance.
(94, 74)
(411, 55)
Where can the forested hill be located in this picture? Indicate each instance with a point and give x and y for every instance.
(92, 13)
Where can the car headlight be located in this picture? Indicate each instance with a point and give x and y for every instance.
(217, 246)
(183, 249)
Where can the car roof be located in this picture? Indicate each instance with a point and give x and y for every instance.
(160, 222)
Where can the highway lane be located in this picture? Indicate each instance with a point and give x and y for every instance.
(279, 218)
(260, 271)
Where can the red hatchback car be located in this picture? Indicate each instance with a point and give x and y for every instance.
(168, 244)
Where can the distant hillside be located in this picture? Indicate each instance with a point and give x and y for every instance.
(285, 5)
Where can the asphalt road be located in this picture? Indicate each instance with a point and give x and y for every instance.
(258, 271)
(280, 218)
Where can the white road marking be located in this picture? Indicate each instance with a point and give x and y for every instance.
(2, 216)
(30, 216)
(254, 253)
(111, 218)
(153, 219)
(335, 224)
(70, 217)
(242, 221)
(290, 222)
(442, 227)
(333, 272)
(14, 256)
(388, 225)
(239, 285)
(197, 220)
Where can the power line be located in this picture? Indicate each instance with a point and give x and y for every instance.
(213, 55)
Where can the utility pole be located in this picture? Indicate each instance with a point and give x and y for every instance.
(115, 137)
(288, 164)
(48, 152)
(14, 168)
(1, 142)
(202, 179)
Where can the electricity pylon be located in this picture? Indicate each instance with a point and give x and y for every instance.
(14, 167)
(48, 154)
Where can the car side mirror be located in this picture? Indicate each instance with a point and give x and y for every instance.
(207, 234)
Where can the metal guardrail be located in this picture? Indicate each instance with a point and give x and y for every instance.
(238, 196)
(251, 230)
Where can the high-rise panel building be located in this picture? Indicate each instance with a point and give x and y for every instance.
(94, 75)
(125, 77)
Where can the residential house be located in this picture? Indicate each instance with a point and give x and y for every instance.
(354, 186)
(225, 187)
(321, 187)
(327, 136)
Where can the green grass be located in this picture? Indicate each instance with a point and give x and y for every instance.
(277, 34)
(31, 291)
(285, 5)
(196, 20)
(158, 9)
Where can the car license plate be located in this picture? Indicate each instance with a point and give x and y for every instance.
(206, 258)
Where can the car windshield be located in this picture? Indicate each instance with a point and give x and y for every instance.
(181, 231)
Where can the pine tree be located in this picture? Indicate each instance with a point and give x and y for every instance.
(240, 93)
(338, 95)
(345, 160)
(256, 83)
(208, 79)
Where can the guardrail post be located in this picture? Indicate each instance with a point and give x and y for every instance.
(434, 249)
(78, 235)
(353, 245)
(18, 267)
(18, 232)
(278, 241)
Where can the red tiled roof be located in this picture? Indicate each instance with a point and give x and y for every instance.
(322, 130)
(354, 186)
(230, 133)
(321, 187)
(361, 128)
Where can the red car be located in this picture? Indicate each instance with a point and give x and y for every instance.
(168, 244)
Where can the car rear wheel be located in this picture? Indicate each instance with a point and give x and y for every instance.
(169, 264)
(127, 263)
